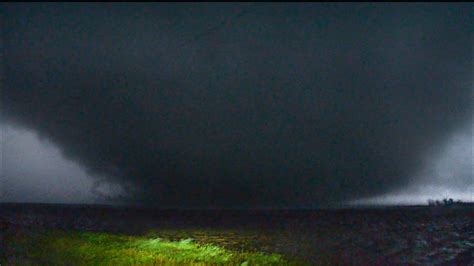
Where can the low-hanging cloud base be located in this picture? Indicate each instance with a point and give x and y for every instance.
(288, 105)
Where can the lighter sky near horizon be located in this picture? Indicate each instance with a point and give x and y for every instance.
(448, 173)
(34, 170)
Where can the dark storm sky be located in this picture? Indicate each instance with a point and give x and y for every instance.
(240, 105)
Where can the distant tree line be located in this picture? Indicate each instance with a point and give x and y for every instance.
(444, 202)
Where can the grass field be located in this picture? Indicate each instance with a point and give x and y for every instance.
(398, 236)
(60, 247)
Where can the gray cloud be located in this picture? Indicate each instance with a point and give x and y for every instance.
(288, 105)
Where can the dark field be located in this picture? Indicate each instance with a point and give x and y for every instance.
(408, 235)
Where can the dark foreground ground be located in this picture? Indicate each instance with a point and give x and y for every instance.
(405, 235)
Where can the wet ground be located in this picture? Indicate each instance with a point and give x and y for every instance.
(359, 236)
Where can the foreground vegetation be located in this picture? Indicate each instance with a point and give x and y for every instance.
(58, 247)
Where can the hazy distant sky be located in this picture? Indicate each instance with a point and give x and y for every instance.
(447, 172)
(237, 104)
(33, 170)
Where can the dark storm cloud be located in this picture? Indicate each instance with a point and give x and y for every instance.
(241, 104)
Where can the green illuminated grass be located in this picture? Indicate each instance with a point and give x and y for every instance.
(55, 247)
